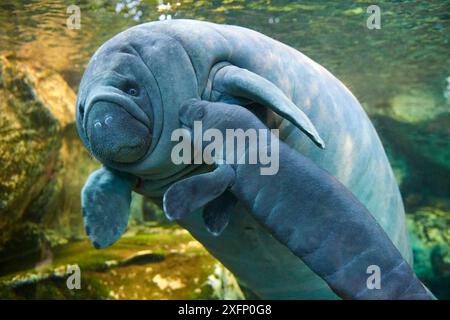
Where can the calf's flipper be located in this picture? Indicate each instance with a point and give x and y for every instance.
(192, 193)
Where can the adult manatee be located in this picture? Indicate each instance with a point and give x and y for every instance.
(128, 106)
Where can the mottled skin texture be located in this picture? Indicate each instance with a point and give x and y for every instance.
(168, 63)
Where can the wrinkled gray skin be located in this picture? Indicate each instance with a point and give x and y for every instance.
(128, 105)
(312, 223)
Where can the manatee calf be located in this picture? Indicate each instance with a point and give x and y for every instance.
(128, 107)
(312, 220)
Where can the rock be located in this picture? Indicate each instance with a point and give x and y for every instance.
(417, 142)
(136, 267)
(153, 212)
(136, 209)
(168, 283)
(143, 257)
(51, 284)
(29, 147)
(419, 153)
(447, 90)
(224, 285)
(23, 250)
(430, 236)
(414, 106)
(52, 91)
(44, 165)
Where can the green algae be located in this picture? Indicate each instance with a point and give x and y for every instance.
(164, 263)
(430, 235)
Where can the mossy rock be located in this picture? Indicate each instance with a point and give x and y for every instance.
(23, 250)
(153, 212)
(162, 263)
(44, 164)
(415, 106)
(420, 152)
(430, 237)
(29, 147)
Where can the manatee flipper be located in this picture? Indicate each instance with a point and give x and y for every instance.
(238, 82)
(190, 194)
(105, 201)
(216, 214)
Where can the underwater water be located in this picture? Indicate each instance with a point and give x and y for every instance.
(400, 73)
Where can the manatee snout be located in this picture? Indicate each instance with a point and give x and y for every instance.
(115, 135)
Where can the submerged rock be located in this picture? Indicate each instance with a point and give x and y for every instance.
(430, 236)
(29, 145)
(417, 142)
(43, 162)
(224, 285)
(419, 153)
(168, 283)
(165, 263)
(413, 106)
(416, 106)
(143, 257)
(153, 212)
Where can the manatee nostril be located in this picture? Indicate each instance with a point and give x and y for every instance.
(81, 111)
(108, 120)
(97, 124)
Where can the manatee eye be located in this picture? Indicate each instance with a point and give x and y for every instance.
(132, 92)
(200, 114)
